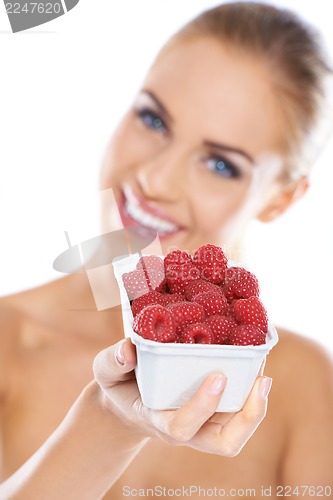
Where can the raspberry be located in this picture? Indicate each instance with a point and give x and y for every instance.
(230, 310)
(136, 284)
(155, 323)
(139, 283)
(177, 257)
(172, 298)
(212, 262)
(221, 327)
(186, 313)
(230, 273)
(147, 300)
(213, 303)
(156, 279)
(198, 333)
(201, 286)
(247, 335)
(251, 312)
(208, 302)
(179, 276)
(240, 283)
(150, 262)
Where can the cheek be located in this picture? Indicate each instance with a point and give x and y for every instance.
(127, 148)
(222, 212)
(117, 155)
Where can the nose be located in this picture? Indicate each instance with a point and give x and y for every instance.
(163, 177)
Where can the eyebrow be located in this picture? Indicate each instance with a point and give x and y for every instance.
(211, 144)
(229, 148)
(158, 103)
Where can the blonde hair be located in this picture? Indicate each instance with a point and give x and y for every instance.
(297, 63)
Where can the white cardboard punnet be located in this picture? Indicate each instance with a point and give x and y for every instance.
(169, 374)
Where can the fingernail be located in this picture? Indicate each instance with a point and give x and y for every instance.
(265, 387)
(217, 385)
(119, 354)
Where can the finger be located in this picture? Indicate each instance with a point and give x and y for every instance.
(230, 439)
(114, 363)
(262, 367)
(185, 422)
(221, 418)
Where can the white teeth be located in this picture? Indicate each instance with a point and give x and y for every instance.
(146, 219)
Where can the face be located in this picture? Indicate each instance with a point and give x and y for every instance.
(199, 153)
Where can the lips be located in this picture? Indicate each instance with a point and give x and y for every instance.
(136, 211)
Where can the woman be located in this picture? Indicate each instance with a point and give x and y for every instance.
(217, 136)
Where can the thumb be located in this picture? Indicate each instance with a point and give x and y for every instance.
(114, 363)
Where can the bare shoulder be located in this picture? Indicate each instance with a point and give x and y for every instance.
(297, 354)
(10, 326)
(16, 311)
(302, 395)
(303, 373)
(10, 321)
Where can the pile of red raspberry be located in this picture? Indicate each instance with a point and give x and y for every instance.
(196, 300)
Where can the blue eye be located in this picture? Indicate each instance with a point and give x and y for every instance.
(223, 168)
(152, 120)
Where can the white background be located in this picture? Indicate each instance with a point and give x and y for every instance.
(64, 87)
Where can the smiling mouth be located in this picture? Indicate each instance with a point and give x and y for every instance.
(134, 212)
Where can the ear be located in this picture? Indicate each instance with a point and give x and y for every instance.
(287, 195)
